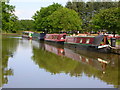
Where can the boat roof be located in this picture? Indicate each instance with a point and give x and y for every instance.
(80, 36)
(27, 32)
(98, 39)
(57, 34)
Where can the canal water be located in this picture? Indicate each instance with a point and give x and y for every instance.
(34, 64)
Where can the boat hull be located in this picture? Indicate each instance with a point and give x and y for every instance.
(88, 47)
(57, 42)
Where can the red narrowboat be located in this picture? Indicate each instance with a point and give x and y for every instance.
(97, 43)
(57, 38)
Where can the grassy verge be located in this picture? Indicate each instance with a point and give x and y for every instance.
(117, 42)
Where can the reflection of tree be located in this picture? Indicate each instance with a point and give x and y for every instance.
(110, 74)
(8, 48)
(59, 64)
(110, 71)
(52, 62)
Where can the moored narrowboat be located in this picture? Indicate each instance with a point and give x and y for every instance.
(57, 38)
(38, 36)
(27, 34)
(95, 43)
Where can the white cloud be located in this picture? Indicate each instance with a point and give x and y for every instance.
(18, 12)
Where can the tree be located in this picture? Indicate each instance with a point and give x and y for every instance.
(40, 17)
(25, 25)
(55, 18)
(8, 18)
(107, 19)
(87, 10)
(64, 19)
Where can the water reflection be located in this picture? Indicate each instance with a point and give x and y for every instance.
(33, 63)
(9, 46)
(76, 62)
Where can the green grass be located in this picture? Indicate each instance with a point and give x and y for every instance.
(117, 42)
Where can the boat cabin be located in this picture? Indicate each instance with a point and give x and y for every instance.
(80, 39)
(91, 40)
(38, 36)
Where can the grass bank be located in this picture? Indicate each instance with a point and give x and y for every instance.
(117, 42)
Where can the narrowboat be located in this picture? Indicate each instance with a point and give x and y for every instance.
(57, 38)
(95, 43)
(27, 34)
(38, 36)
(109, 36)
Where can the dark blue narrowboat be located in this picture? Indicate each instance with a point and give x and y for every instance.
(38, 36)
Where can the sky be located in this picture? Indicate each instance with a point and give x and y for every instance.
(25, 9)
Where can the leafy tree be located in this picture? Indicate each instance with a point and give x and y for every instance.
(87, 10)
(107, 19)
(55, 18)
(64, 19)
(8, 17)
(41, 15)
(25, 25)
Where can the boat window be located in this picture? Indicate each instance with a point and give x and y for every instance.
(26, 33)
(64, 36)
(88, 40)
(55, 37)
(48, 37)
(81, 40)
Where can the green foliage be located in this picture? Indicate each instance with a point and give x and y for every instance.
(25, 25)
(87, 10)
(56, 18)
(107, 19)
(40, 17)
(9, 47)
(56, 64)
(64, 19)
(8, 18)
(53, 63)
